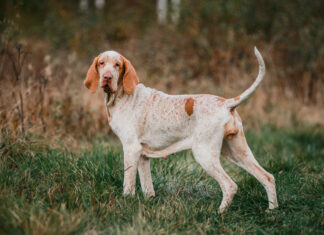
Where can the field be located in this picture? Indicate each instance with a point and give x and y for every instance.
(46, 190)
(61, 168)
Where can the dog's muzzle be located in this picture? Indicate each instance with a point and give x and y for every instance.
(106, 82)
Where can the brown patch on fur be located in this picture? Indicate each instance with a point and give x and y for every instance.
(92, 79)
(189, 106)
(220, 99)
(237, 98)
(230, 129)
(130, 79)
(231, 133)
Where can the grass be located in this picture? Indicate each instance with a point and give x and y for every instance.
(51, 191)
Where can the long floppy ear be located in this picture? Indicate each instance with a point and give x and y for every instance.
(130, 79)
(92, 79)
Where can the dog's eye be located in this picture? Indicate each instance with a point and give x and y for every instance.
(117, 65)
(101, 62)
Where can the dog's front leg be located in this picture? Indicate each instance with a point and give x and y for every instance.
(131, 158)
(144, 172)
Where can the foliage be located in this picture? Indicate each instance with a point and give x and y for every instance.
(49, 191)
(295, 27)
(45, 190)
(202, 54)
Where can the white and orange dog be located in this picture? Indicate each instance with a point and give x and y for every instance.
(152, 124)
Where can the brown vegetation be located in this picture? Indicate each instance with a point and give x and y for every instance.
(41, 81)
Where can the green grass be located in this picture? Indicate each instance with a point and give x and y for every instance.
(49, 191)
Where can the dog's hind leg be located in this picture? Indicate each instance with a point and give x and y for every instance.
(208, 156)
(237, 151)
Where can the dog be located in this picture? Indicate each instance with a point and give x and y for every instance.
(152, 124)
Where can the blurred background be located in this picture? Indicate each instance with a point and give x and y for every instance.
(178, 46)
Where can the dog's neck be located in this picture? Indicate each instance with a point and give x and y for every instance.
(111, 99)
(120, 99)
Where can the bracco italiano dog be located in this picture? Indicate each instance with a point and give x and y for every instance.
(152, 124)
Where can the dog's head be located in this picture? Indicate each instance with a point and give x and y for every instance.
(110, 70)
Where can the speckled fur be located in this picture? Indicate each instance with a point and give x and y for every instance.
(152, 124)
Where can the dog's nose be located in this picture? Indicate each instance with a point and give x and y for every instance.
(107, 76)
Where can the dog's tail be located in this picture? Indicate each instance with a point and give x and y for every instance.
(234, 102)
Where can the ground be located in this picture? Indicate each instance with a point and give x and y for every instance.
(44, 190)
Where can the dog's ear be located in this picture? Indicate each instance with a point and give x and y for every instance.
(92, 79)
(130, 79)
